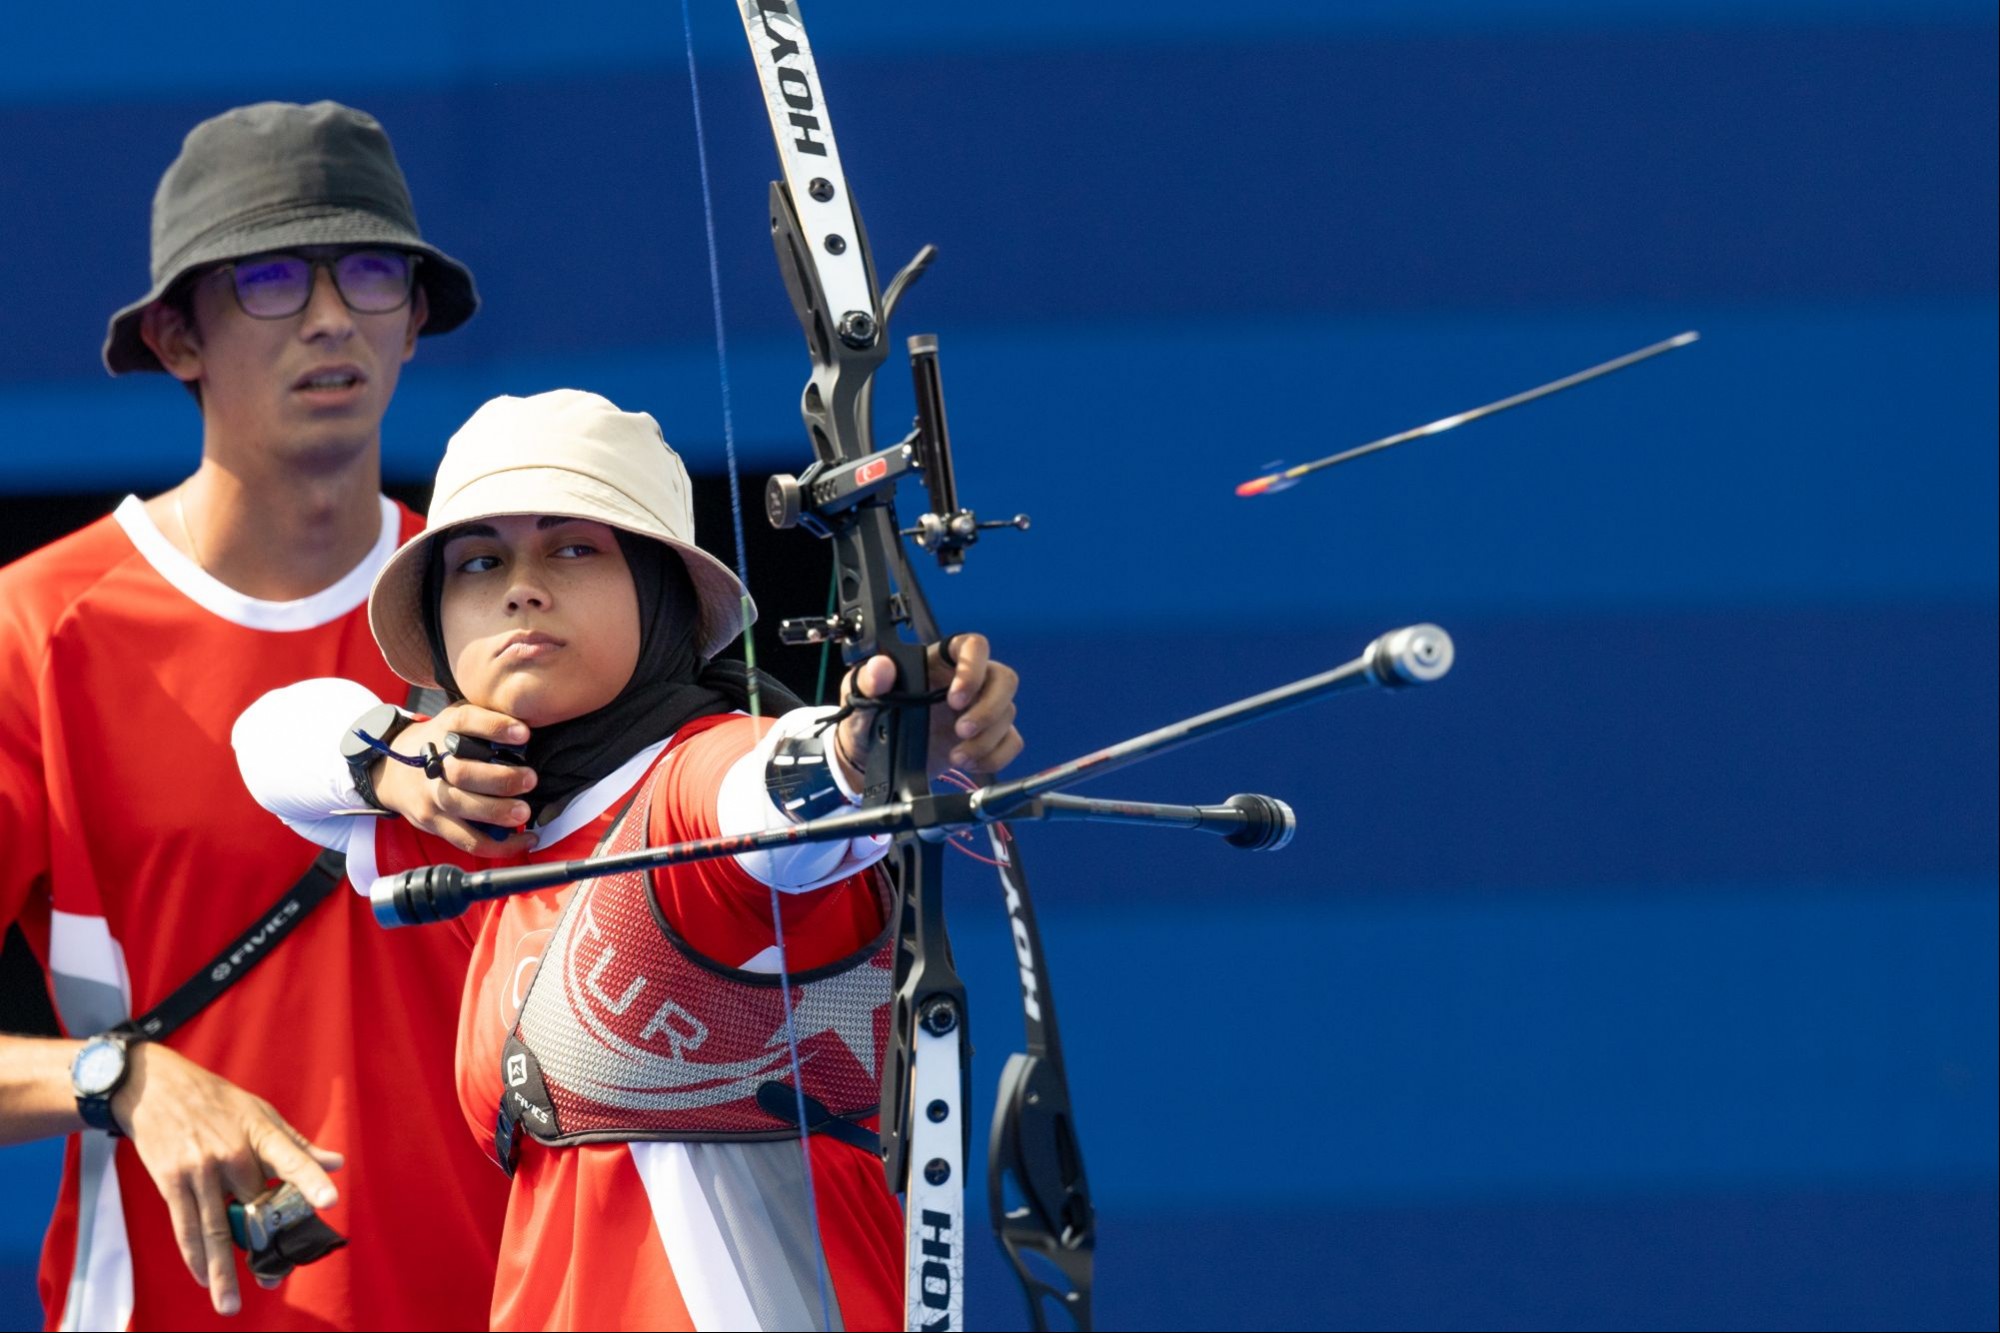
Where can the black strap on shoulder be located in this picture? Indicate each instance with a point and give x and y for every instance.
(270, 928)
(241, 954)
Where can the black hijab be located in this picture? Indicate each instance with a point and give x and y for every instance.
(670, 687)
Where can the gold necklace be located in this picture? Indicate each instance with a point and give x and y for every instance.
(180, 510)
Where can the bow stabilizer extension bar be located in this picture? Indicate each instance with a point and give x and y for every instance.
(1402, 658)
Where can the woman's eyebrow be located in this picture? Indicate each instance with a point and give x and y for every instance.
(471, 530)
(547, 521)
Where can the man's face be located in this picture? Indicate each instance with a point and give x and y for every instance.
(539, 615)
(309, 388)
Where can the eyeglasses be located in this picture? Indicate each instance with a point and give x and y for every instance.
(278, 286)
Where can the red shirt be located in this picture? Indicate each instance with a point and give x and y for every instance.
(131, 853)
(625, 1235)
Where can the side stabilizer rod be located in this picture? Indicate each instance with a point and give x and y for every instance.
(1254, 823)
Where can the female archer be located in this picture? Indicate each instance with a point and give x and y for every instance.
(625, 1049)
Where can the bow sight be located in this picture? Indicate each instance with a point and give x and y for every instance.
(827, 494)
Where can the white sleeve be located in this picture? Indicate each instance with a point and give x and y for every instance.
(288, 751)
(744, 805)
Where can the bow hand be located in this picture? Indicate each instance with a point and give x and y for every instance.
(972, 728)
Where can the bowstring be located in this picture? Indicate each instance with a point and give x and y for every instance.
(750, 653)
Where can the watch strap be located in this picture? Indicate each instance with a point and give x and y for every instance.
(361, 773)
(384, 722)
(96, 1112)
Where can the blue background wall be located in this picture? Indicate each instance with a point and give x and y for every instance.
(1643, 973)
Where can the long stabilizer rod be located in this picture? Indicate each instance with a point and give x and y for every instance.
(1413, 656)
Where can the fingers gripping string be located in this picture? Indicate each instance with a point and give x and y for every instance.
(749, 650)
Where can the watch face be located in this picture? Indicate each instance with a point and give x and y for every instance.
(382, 722)
(97, 1068)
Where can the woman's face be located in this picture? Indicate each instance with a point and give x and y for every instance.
(540, 618)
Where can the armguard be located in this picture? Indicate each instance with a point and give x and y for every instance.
(800, 776)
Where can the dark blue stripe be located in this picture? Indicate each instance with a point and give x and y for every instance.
(1794, 456)
(1748, 1036)
(1890, 1258)
(1830, 1259)
(1327, 174)
(61, 55)
(1781, 745)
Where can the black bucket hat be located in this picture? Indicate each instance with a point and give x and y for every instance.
(272, 177)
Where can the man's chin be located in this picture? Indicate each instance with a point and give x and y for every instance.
(329, 443)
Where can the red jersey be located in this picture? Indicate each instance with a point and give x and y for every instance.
(131, 853)
(651, 1234)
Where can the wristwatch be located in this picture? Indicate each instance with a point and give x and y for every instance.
(384, 722)
(95, 1076)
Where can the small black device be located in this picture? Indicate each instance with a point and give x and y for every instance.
(478, 750)
(254, 1225)
(278, 1230)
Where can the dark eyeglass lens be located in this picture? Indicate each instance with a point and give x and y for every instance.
(274, 286)
(373, 281)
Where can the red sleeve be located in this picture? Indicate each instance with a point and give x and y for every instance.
(27, 606)
(36, 593)
(24, 814)
(717, 907)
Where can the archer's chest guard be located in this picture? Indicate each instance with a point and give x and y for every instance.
(628, 1033)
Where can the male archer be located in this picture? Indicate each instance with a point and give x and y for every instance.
(290, 284)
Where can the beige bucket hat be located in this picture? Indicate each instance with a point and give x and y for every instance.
(563, 452)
